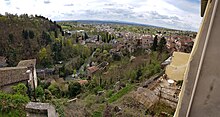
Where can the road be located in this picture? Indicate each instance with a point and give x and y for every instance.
(81, 69)
(201, 96)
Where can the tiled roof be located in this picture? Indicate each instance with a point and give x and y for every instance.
(10, 75)
(83, 82)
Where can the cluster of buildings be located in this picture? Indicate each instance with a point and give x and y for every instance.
(180, 43)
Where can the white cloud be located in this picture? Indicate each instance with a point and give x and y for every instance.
(179, 14)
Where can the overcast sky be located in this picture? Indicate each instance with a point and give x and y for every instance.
(178, 14)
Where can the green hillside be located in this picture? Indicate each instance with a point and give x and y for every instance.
(22, 37)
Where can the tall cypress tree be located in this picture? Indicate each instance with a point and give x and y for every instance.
(162, 44)
(154, 46)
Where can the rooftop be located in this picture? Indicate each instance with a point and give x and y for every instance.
(27, 63)
(10, 75)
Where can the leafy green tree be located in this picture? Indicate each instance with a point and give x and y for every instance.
(105, 52)
(46, 38)
(20, 89)
(57, 50)
(45, 57)
(13, 104)
(54, 89)
(40, 92)
(74, 89)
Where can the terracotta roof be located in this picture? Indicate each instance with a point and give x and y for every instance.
(146, 37)
(83, 82)
(10, 75)
(27, 63)
(92, 69)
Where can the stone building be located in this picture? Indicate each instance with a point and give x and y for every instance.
(10, 76)
(30, 64)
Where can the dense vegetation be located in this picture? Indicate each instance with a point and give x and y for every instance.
(22, 37)
(28, 37)
(13, 105)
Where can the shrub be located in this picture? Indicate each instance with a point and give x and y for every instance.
(109, 93)
(48, 94)
(97, 114)
(40, 92)
(120, 93)
(20, 89)
(12, 104)
(59, 105)
(74, 89)
(54, 89)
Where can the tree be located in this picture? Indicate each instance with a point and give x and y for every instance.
(46, 38)
(20, 89)
(74, 89)
(25, 34)
(98, 38)
(31, 34)
(139, 74)
(11, 38)
(40, 92)
(162, 44)
(54, 89)
(86, 36)
(154, 46)
(56, 34)
(57, 50)
(44, 56)
(12, 105)
(116, 57)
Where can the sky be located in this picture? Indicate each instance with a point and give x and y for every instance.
(176, 14)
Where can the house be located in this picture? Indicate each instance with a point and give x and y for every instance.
(83, 82)
(24, 72)
(45, 72)
(146, 41)
(11, 76)
(92, 70)
(30, 64)
(3, 61)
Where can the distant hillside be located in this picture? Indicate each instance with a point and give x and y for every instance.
(111, 22)
(22, 37)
